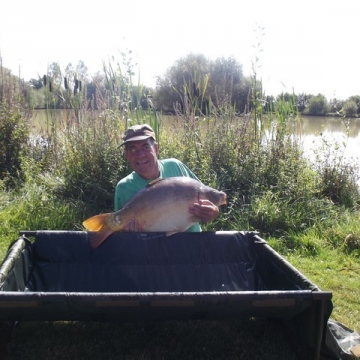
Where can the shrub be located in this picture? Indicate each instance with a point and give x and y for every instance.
(14, 132)
(338, 178)
(350, 108)
(318, 105)
(93, 163)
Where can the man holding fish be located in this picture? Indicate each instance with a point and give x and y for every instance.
(141, 152)
(158, 196)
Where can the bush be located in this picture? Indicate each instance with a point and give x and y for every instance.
(338, 178)
(93, 163)
(350, 108)
(14, 132)
(318, 105)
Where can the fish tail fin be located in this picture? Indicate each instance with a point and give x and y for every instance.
(95, 223)
(100, 231)
(98, 237)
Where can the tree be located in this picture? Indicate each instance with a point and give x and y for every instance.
(165, 96)
(350, 108)
(54, 73)
(184, 79)
(226, 75)
(241, 95)
(302, 101)
(356, 98)
(202, 81)
(336, 105)
(318, 105)
(36, 83)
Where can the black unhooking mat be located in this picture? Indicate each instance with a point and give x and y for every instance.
(145, 263)
(148, 276)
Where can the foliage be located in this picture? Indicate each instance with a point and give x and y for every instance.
(350, 108)
(318, 105)
(94, 162)
(36, 206)
(355, 98)
(14, 129)
(337, 178)
(90, 138)
(336, 105)
(225, 84)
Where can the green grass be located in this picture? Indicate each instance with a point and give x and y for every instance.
(338, 273)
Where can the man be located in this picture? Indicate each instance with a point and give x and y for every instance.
(141, 152)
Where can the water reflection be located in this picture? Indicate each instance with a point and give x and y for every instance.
(323, 132)
(315, 125)
(345, 132)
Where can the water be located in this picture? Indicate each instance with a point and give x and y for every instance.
(314, 131)
(343, 132)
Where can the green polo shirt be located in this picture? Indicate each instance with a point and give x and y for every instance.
(133, 183)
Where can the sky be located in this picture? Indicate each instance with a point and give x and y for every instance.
(309, 46)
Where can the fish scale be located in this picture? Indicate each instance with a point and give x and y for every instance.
(162, 206)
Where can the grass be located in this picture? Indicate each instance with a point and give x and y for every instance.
(339, 274)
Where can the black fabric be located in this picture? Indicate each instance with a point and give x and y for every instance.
(145, 262)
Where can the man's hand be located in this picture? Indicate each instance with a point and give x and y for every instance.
(204, 210)
(132, 226)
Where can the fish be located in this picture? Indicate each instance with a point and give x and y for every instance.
(162, 206)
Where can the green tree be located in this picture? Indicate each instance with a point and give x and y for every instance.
(318, 105)
(14, 131)
(54, 73)
(356, 98)
(336, 105)
(220, 82)
(241, 95)
(225, 80)
(350, 108)
(182, 79)
(75, 75)
(36, 83)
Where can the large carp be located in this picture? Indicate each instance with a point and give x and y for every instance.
(162, 206)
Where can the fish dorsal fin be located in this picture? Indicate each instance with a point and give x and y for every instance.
(152, 182)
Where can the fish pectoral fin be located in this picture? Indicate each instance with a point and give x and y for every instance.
(95, 223)
(98, 237)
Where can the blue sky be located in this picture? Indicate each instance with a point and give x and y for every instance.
(307, 46)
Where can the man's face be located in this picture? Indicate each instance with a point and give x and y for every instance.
(142, 157)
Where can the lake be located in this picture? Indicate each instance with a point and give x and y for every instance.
(314, 130)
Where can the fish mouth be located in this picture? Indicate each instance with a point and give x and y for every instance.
(223, 199)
